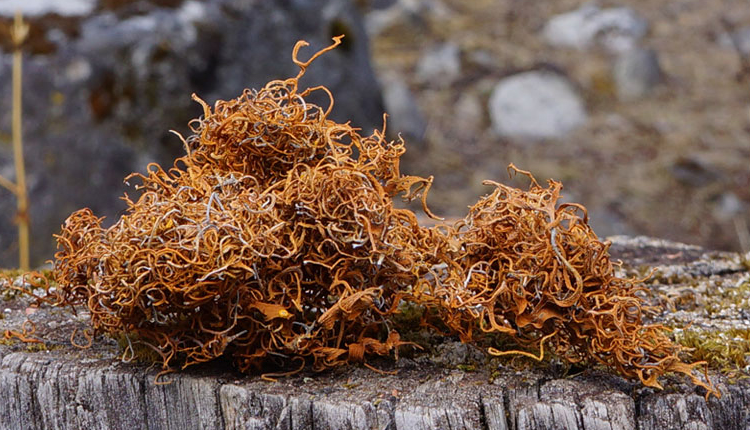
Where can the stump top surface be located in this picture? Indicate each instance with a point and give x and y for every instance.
(438, 389)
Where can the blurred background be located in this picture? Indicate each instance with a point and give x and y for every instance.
(641, 108)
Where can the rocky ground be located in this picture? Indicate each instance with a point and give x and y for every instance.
(662, 146)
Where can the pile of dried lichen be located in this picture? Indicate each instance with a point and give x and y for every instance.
(275, 238)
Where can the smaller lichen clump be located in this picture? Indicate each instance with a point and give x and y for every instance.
(275, 239)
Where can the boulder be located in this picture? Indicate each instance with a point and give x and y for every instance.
(383, 15)
(535, 105)
(636, 73)
(440, 65)
(44, 7)
(102, 90)
(737, 39)
(616, 29)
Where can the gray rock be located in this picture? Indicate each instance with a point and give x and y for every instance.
(380, 19)
(729, 207)
(738, 39)
(105, 99)
(616, 29)
(440, 65)
(695, 170)
(43, 7)
(536, 104)
(385, 14)
(636, 73)
(404, 116)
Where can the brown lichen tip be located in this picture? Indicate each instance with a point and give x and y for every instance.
(275, 238)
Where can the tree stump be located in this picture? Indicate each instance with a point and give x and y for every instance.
(60, 386)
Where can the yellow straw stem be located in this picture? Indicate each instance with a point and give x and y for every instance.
(19, 32)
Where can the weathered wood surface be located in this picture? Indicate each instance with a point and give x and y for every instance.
(67, 388)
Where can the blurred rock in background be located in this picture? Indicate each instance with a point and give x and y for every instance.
(105, 81)
(440, 65)
(535, 105)
(616, 29)
(636, 73)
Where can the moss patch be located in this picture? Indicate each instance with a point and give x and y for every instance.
(726, 351)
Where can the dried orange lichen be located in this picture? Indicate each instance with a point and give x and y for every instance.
(534, 270)
(275, 238)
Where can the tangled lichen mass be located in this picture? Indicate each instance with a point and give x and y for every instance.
(275, 239)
